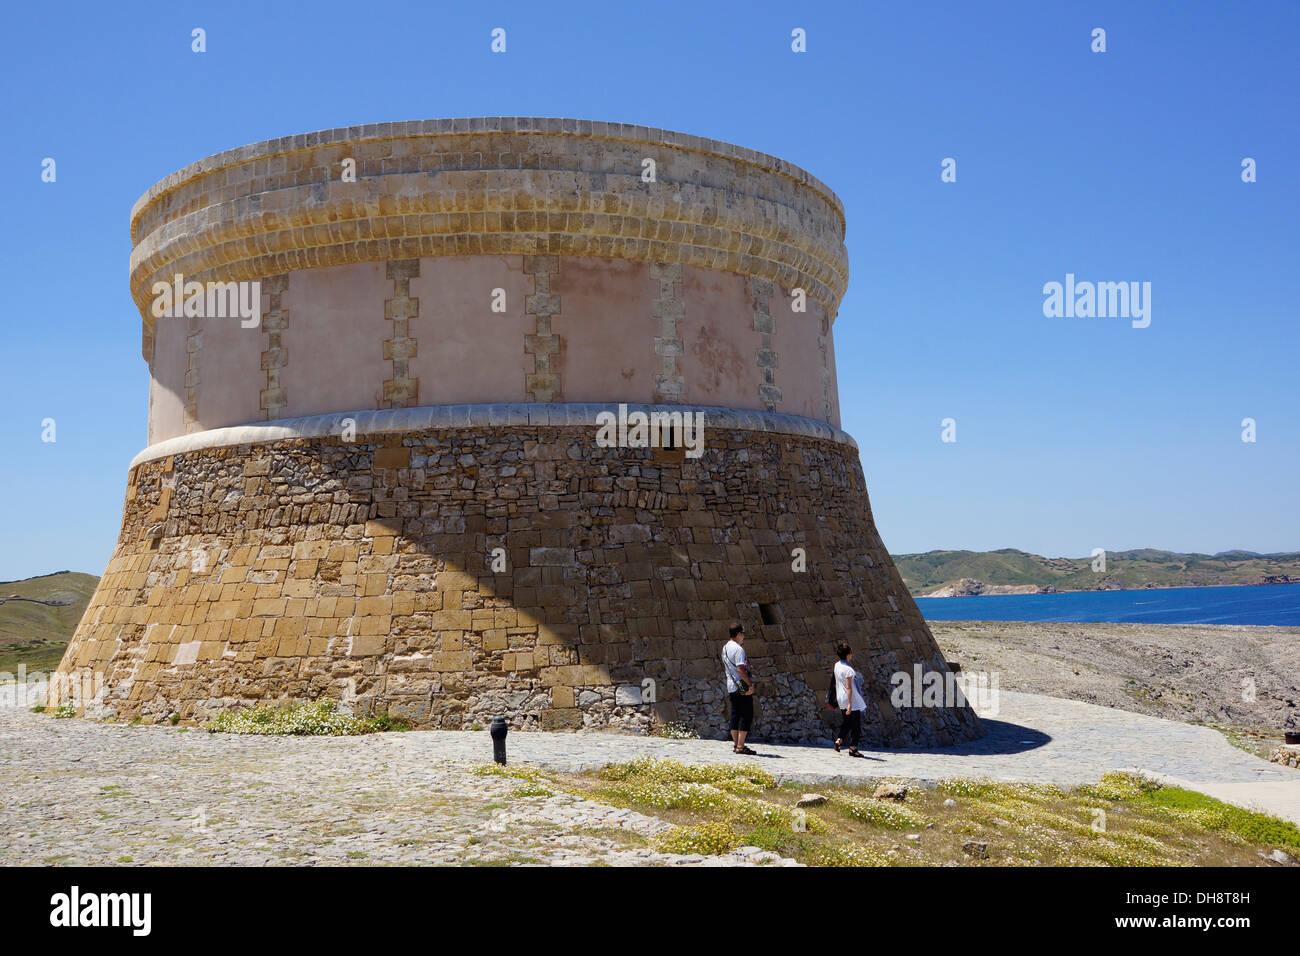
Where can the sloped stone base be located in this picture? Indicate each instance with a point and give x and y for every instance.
(280, 562)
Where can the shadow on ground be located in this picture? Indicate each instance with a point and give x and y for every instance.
(1001, 737)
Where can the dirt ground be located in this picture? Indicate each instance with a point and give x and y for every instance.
(1244, 681)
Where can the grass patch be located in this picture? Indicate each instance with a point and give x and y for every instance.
(387, 723)
(1174, 803)
(661, 770)
(1122, 820)
(531, 774)
(532, 790)
(848, 854)
(879, 813)
(723, 791)
(708, 839)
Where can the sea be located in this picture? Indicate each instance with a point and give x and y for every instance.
(1252, 604)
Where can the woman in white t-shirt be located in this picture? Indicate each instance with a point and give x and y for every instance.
(848, 687)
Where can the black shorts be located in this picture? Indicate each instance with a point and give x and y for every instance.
(742, 710)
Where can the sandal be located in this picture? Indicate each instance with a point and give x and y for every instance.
(837, 745)
(746, 750)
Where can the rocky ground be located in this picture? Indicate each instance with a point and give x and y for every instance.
(78, 792)
(1244, 680)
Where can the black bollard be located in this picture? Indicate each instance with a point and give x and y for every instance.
(498, 730)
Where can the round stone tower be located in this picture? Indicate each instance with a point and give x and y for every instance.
(457, 418)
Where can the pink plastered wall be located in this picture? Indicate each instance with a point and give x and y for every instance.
(467, 353)
(609, 330)
(801, 362)
(167, 380)
(720, 345)
(336, 327)
(230, 375)
(335, 339)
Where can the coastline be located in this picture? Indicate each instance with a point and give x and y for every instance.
(1030, 590)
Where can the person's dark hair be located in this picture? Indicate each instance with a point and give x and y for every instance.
(843, 649)
(735, 629)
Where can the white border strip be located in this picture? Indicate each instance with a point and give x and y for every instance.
(506, 415)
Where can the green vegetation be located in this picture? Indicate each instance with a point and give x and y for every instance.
(1144, 567)
(721, 791)
(1123, 820)
(36, 635)
(532, 790)
(318, 718)
(1177, 804)
(705, 838)
(387, 723)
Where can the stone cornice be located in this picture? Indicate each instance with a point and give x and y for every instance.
(488, 186)
(401, 420)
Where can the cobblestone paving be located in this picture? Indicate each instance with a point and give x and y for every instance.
(1031, 738)
(74, 791)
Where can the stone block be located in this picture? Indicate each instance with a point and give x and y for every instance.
(392, 458)
(562, 697)
(368, 645)
(561, 718)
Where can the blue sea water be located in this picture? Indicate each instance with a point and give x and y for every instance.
(1262, 604)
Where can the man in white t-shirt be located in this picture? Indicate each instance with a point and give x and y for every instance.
(740, 688)
(848, 687)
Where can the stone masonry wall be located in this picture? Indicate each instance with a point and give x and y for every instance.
(362, 571)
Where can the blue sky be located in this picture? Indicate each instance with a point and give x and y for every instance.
(1116, 166)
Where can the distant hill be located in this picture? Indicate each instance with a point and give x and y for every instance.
(36, 634)
(962, 573)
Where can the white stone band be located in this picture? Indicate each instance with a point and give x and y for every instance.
(503, 415)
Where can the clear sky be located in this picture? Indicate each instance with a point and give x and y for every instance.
(1115, 166)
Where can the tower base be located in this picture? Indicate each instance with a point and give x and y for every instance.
(456, 563)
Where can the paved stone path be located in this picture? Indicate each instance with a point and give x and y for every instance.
(73, 791)
(1031, 738)
(76, 792)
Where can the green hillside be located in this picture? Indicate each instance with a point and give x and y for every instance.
(36, 634)
(1139, 568)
